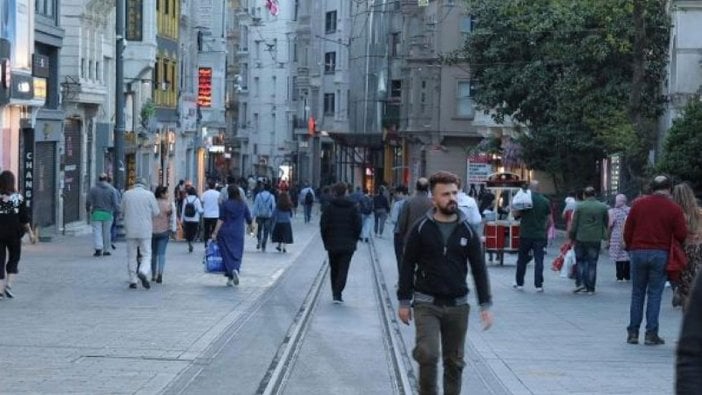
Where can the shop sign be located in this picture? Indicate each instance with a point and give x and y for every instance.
(28, 166)
(204, 87)
(134, 20)
(40, 89)
(40, 66)
(21, 87)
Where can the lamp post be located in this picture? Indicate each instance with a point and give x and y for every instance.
(118, 167)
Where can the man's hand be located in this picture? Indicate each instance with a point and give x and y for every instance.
(405, 314)
(486, 318)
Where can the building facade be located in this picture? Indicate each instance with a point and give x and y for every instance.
(265, 59)
(87, 89)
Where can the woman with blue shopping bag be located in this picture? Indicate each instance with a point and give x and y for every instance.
(229, 233)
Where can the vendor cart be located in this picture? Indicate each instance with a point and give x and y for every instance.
(501, 228)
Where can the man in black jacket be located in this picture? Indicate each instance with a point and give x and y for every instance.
(433, 273)
(340, 227)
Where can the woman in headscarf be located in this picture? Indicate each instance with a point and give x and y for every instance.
(617, 219)
(685, 198)
(229, 232)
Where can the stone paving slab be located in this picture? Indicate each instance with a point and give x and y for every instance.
(76, 328)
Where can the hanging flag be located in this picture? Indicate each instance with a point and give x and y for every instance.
(272, 6)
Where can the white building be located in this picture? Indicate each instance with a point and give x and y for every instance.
(87, 80)
(265, 64)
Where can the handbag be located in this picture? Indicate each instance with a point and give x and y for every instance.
(677, 260)
(212, 261)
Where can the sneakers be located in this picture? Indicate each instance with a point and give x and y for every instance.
(8, 292)
(132, 286)
(98, 253)
(540, 289)
(633, 338)
(106, 253)
(652, 339)
(159, 279)
(518, 287)
(235, 277)
(579, 289)
(144, 281)
(230, 282)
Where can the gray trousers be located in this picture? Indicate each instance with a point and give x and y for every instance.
(440, 331)
(102, 236)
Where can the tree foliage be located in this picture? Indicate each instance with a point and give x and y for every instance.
(566, 70)
(683, 145)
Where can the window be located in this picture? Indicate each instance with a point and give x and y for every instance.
(423, 97)
(294, 52)
(463, 102)
(45, 7)
(244, 40)
(467, 24)
(82, 67)
(166, 4)
(255, 122)
(98, 77)
(295, 89)
(330, 22)
(258, 50)
(395, 44)
(396, 88)
(329, 62)
(274, 81)
(244, 118)
(329, 104)
(157, 80)
(256, 86)
(244, 76)
(91, 76)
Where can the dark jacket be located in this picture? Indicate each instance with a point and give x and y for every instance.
(689, 360)
(340, 225)
(431, 267)
(413, 209)
(381, 202)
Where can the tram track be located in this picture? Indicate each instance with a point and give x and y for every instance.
(398, 360)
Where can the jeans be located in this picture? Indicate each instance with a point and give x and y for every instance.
(10, 249)
(527, 245)
(339, 263)
(144, 247)
(102, 234)
(586, 255)
(380, 217)
(648, 278)
(440, 330)
(159, 242)
(366, 229)
(264, 229)
(209, 225)
(308, 213)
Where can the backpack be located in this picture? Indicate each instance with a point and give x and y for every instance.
(309, 198)
(366, 205)
(189, 209)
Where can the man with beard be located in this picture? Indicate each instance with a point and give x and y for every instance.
(434, 269)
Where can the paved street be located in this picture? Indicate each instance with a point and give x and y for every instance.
(76, 328)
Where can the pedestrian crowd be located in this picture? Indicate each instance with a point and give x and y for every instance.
(437, 239)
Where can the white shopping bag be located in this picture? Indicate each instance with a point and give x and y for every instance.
(522, 200)
(568, 263)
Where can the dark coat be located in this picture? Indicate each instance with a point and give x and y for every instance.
(689, 362)
(340, 226)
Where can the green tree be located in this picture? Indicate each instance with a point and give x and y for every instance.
(681, 151)
(582, 76)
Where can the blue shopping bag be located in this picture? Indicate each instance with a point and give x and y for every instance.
(213, 262)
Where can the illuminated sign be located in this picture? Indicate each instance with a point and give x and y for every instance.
(204, 87)
(39, 89)
(21, 87)
(216, 148)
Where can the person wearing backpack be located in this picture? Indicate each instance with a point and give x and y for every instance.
(263, 207)
(307, 198)
(365, 206)
(190, 216)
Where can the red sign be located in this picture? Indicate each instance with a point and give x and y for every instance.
(204, 87)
